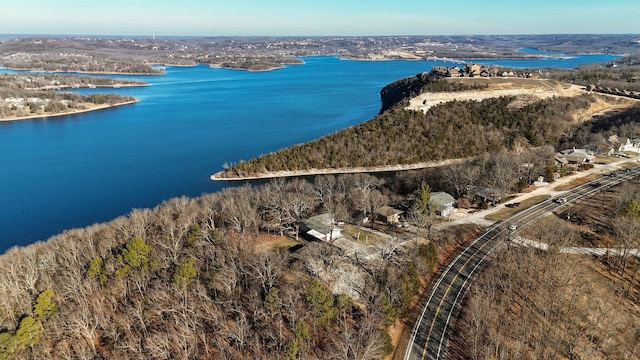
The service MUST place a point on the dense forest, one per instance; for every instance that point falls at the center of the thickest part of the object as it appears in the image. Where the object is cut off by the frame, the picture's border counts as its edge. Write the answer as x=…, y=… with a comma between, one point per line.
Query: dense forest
x=213, y=277
x=623, y=124
x=452, y=130
x=207, y=278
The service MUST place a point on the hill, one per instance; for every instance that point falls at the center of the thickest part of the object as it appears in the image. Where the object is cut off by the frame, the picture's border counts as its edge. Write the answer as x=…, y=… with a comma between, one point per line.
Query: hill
x=450, y=130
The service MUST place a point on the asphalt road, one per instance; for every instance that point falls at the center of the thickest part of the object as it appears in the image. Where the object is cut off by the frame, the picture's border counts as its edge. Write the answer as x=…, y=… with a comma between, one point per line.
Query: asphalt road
x=430, y=333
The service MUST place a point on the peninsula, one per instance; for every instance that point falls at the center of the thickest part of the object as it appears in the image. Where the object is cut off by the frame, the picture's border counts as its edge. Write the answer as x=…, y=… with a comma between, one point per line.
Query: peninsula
x=431, y=126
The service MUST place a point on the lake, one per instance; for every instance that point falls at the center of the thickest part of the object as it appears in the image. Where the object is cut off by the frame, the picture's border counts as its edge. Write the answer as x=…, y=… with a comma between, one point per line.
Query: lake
x=65, y=172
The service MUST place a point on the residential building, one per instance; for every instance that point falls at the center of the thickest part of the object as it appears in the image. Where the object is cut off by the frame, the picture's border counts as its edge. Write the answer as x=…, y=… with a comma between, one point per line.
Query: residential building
x=575, y=156
x=445, y=203
x=321, y=227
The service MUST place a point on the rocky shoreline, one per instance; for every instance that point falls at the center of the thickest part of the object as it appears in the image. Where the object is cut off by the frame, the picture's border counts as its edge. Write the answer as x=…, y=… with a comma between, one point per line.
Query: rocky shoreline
x=312, y=172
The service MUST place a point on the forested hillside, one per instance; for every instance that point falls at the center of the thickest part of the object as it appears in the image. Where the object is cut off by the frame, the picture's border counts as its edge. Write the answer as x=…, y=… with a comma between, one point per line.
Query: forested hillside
x=196, y=279
x=554, y=305
x=623, y=74
x=447, y=131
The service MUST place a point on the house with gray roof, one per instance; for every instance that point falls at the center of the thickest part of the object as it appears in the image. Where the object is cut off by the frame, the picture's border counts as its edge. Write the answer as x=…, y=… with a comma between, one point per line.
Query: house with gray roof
x=575, y=156
x=445, y=203
x=321, y=227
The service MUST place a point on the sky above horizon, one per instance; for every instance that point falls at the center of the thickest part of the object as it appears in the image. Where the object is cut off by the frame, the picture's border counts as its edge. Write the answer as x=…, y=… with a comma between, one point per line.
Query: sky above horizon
x=326, y=17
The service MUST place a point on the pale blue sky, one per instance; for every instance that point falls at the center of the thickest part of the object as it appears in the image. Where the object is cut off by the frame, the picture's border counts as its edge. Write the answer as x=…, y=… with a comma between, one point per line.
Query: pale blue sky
x=317, y=17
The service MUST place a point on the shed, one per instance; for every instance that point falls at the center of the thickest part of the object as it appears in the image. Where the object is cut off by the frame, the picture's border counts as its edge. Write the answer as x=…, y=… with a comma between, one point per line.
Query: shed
x=389, y=214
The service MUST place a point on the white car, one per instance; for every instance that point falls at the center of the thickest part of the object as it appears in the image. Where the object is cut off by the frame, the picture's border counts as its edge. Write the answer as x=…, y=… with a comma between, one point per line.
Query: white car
x=512, y=227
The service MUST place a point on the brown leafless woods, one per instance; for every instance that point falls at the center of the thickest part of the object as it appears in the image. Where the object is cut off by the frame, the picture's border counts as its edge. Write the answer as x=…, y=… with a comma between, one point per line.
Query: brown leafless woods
x=531, y=304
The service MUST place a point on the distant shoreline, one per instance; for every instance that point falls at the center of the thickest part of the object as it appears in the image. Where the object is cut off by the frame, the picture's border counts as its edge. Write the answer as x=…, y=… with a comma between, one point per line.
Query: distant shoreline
x=81, y=72
x=312, y=172
x=85, y=86
x=95, y=108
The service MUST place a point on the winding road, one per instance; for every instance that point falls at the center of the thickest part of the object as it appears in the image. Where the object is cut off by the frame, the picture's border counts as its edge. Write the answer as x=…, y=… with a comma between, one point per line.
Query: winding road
x=430, y=334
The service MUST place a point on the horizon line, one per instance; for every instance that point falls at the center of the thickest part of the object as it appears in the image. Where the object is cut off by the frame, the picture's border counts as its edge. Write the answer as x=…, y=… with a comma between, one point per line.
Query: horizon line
x=295, y=36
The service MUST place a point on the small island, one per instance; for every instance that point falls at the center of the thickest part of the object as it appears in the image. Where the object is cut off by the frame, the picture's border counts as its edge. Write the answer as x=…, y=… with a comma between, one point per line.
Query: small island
x=28, y=96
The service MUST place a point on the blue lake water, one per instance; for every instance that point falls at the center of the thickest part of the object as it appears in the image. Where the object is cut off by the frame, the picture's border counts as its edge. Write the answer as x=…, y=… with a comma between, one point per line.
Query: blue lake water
x=73, y=171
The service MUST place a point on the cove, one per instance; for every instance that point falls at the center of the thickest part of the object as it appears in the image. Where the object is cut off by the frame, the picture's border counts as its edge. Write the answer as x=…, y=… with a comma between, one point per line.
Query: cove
x=67, y=172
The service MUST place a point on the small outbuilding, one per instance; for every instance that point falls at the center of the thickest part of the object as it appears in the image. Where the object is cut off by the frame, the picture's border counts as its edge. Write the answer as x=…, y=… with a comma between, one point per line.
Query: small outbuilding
x=389, y=214
x=489, y=195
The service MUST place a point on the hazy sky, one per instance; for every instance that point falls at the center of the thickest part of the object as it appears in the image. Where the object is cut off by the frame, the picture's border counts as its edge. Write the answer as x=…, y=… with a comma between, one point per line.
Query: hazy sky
x=317, y=17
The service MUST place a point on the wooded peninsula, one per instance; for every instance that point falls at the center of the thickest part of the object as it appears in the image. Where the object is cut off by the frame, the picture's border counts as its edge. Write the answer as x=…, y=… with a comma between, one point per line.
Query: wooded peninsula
x=26, y=96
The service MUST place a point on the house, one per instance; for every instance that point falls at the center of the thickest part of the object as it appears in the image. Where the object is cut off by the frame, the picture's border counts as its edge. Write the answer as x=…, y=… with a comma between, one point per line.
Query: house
x=454, y=72
x=560, y=159
x=445, y=203
x=388, y=214
x=630, y=145
x=576, y=156
x=321, y=227
x=439, y=71
x=443, y=71
x=472, y=70
x=489, y=195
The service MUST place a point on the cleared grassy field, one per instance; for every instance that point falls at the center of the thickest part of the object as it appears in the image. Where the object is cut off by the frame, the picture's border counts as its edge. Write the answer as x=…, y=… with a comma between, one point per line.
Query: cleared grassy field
x=364, y=237
x=576, y=182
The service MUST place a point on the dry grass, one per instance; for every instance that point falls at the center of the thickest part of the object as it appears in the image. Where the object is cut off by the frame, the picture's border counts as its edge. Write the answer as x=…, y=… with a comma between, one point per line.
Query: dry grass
x=360, y=236
x=576, y=182
x=524, y=204
x=630, y=164
x=500, y=83
x=605, y=160
x=266, y=242
x=527, y=91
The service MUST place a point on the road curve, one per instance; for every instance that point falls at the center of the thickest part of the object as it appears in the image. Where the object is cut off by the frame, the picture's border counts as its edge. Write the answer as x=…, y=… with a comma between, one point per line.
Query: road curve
x=429, y=337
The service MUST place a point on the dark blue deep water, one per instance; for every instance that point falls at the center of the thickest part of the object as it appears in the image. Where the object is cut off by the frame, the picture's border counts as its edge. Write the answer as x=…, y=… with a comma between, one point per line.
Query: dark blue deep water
x=66, y=172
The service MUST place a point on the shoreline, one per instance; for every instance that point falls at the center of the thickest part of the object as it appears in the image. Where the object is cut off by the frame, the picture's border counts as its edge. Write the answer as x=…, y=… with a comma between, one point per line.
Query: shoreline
x=74, y=87
x=82, y=72
x=313, y=172
x=280, y=67
x=213, y=66
x=96, y=108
